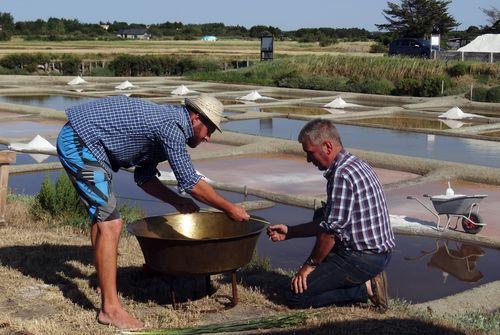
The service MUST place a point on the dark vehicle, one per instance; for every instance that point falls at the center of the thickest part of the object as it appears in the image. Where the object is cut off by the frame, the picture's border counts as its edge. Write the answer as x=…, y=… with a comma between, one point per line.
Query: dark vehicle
x=410, y=47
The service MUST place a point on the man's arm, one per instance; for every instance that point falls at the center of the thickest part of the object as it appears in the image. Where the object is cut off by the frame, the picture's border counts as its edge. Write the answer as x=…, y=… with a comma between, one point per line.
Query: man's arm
x=281, y=232
x=205, y=193
x=324, y=243
x=157, y=189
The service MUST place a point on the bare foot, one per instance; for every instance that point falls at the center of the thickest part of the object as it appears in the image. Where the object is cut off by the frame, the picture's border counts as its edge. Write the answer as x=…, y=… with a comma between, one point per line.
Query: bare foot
x=119, y=318
x=369, y=288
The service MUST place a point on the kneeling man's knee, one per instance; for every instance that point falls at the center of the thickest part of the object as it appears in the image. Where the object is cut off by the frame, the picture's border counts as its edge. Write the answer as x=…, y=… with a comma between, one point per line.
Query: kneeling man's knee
x=296, y=300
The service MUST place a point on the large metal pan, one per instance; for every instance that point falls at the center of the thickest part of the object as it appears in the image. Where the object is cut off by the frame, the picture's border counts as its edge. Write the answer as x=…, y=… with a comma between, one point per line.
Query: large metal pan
x=198, y=243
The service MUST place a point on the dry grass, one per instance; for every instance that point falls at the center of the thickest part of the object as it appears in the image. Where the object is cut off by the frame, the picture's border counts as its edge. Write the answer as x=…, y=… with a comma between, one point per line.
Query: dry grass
x=248, y=48
x=48, y=286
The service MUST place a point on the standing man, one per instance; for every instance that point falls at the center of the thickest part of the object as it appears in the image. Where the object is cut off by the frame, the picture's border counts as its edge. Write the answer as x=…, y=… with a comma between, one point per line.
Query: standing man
x=353, y=232
x=107, y=134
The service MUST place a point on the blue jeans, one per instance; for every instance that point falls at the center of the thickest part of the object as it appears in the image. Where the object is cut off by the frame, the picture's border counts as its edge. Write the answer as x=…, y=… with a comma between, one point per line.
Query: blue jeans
x=340, y=279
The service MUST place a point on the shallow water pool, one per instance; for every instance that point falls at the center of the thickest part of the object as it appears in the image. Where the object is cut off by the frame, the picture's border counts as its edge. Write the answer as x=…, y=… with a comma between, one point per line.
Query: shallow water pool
x=446, y=148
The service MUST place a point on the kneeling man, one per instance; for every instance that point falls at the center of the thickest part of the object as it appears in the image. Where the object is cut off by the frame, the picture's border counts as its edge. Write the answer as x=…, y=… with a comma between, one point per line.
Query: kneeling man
x=353, y=232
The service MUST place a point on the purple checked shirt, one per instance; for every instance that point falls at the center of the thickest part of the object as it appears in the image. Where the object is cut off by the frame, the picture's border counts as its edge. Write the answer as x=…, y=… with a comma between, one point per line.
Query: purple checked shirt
x=356, y=210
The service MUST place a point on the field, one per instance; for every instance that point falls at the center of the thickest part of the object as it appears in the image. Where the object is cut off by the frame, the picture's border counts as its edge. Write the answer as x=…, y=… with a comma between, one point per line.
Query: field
x=247, y=48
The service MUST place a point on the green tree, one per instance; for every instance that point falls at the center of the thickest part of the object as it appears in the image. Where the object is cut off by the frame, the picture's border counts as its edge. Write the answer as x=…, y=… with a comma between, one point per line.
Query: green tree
x=6, y=22
x=418, y=18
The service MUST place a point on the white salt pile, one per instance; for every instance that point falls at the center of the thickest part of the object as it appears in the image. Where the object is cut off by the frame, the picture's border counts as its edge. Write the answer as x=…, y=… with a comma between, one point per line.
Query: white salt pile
x=77, y=81
x=38, y=144
x=483, y=43
x=456, y=113
x=254, y=95
x=339, y=103
x=125, y=85
x=182, y=90
x=453, y=124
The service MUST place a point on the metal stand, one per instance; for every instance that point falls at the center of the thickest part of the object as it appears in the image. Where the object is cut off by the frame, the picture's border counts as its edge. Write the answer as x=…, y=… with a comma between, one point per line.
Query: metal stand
x=208, y=285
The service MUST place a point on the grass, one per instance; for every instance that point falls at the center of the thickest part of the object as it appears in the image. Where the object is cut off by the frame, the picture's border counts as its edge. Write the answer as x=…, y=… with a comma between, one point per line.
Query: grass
x=240, y=48
x=377, y=75
x=48, y=286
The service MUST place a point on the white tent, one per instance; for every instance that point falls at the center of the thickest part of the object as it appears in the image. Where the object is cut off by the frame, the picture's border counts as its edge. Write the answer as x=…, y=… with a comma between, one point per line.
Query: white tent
x=339, y=103
x=38, y=144
x=125, y=85
x=77, y=81
x=456, y=113
x=483, y=43
x=182, y=90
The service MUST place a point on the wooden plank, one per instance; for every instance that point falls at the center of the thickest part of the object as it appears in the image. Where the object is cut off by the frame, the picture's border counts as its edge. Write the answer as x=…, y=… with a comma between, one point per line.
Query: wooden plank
x=4, y=182
x=7, y=157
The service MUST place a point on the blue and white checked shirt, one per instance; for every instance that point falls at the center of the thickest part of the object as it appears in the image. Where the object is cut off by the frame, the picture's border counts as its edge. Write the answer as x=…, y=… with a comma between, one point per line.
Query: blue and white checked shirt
x=123, y=132
x=356, y=209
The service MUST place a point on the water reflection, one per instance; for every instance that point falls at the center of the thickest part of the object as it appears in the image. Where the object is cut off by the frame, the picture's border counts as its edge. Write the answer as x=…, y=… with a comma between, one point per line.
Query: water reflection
x=59, y=102
x=445, y=148
x=458, y=260
x=406, y=122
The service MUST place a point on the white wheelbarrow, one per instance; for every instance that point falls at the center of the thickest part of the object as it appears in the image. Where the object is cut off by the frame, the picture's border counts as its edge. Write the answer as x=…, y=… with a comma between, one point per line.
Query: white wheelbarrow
x=463, y=208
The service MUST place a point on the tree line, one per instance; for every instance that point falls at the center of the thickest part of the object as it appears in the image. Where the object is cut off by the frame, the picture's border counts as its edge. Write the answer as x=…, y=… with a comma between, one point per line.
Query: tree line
x=407, y=18
x=72, y=29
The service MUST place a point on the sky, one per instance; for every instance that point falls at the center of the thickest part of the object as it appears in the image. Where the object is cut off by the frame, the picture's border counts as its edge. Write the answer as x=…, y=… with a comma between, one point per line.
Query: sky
x=285, y=14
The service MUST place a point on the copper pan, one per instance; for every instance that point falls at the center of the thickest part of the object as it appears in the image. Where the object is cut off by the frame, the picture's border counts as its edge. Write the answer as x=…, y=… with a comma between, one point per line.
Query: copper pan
x=198, y=243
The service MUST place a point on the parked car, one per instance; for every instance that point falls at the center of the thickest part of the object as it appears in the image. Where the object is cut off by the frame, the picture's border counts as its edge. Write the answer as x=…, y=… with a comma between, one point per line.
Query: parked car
x=414, y=47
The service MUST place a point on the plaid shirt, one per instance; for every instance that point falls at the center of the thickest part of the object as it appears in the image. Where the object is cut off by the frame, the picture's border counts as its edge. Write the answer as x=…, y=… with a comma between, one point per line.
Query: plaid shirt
x=123, y=132
x=356, y=210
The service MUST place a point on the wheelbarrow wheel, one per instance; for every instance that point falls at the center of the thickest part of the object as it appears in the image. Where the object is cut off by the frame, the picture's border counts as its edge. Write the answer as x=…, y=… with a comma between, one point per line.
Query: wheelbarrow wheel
x=470, y=224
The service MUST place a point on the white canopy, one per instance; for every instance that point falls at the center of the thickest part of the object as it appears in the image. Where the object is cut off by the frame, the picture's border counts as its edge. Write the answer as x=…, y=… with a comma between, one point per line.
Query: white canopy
x=456, y=113
x=182, y=90
x=125, y=85
x=483, y=43
x=77, y=81
x=339, y=103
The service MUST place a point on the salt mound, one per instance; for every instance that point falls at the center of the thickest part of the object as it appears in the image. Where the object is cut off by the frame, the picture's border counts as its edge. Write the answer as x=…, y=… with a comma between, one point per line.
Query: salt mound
x=252, y=96
x=339, y=103
x=125, y=85
x=77, y=81
x=483, y=43
x=39, y=144
x=453, y=124
x=456, y=113
x=182, y=90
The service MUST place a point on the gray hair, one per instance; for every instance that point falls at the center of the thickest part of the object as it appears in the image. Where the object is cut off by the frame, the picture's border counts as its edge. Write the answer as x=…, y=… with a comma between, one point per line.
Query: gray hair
x=319, y=130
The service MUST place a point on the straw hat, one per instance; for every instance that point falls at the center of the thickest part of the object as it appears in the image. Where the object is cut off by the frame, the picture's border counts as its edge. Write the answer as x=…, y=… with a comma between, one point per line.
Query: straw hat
x=208, y=106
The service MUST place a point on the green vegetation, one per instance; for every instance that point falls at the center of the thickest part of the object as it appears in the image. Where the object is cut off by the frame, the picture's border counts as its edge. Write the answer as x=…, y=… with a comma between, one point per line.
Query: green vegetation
x=289, y=320
x=489, y=323
x=59, y=204
x=147, y=65
x=484, y=94
x=60, y=29
x=418, y=18
x=377, y=75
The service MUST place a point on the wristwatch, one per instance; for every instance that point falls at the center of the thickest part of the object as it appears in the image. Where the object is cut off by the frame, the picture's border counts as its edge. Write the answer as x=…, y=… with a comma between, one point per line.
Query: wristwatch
x=311, y=262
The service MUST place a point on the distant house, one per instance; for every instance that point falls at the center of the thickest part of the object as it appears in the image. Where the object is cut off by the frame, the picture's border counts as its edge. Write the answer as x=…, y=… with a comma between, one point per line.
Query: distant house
x=104, y=26
x=138, y=34
x=209, y=38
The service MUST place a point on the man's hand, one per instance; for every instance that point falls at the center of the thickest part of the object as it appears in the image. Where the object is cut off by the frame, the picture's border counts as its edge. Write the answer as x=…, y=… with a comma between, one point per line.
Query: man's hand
x=299, y=281
x=277, y=232
x=238, y=213
x=185, y=205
